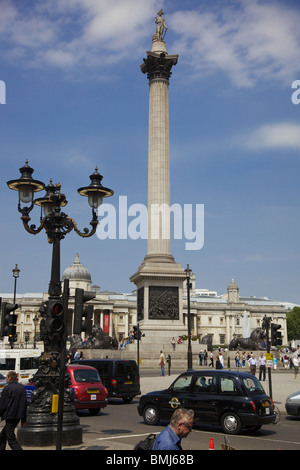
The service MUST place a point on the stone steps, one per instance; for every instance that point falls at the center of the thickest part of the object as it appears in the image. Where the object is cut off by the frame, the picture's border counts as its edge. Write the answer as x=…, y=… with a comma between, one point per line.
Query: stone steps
x=149, y=355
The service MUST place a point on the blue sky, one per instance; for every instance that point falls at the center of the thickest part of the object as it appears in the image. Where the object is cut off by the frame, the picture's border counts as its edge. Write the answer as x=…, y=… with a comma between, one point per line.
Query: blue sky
x=76, y=99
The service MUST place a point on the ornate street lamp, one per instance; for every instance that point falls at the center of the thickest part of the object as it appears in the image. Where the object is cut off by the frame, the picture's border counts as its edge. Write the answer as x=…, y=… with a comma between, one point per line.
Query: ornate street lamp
x=41, y=422
x=16, y=273
x=188, y=272
x=35, y=322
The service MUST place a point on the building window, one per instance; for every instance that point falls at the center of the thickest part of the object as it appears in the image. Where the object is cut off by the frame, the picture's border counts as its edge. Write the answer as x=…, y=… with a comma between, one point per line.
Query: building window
x=222, y=339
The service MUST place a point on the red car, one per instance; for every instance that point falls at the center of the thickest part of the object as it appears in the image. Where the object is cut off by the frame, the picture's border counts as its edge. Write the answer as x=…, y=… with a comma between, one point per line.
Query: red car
x=89, y=392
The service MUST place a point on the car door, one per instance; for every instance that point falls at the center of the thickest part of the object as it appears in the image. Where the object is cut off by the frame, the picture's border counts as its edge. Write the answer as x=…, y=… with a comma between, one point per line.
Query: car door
x=203, y=398
x=230, y=396
x=177, y=395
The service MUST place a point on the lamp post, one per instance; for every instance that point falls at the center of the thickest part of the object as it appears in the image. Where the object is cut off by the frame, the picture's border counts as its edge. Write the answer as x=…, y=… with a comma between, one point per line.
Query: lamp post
x=188, y=285
x=41, y=423
x=16, y=273
x=35, y=322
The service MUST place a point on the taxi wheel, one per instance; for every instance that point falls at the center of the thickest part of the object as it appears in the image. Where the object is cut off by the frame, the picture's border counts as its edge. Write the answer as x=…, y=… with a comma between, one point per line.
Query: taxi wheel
x=231, y=423
x=151, y=415
x=127, y=399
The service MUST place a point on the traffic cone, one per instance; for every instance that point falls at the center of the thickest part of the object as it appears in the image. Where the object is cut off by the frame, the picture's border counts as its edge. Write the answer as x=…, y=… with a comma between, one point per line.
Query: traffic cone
x=211, y=444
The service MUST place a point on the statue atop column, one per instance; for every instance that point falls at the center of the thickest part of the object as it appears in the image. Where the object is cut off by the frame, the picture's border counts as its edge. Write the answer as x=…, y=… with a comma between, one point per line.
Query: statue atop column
x=161, y=27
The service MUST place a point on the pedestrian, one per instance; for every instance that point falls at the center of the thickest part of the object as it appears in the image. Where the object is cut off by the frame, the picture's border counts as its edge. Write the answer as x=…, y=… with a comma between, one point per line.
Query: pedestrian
x=162, y=363
x=295, y=364
x=252, y=364
x=13, y=408
x=201, y=357
x=173, y=342
x=262, y=362
x=243, y=359
x=211, y=356
x=205, y=357
x=286, y=361
x=237, y=359
x=274, y=362
x=218, y=362
x=180, y=426
x=221, y=359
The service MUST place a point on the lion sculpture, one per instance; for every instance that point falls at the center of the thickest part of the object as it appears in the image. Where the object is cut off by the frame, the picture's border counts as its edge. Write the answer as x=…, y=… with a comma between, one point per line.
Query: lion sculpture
x=253, y=343
x=97, y=340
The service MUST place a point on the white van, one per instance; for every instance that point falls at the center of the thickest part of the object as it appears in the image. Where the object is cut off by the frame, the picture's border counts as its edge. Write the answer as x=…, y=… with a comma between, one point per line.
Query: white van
x=23, y=361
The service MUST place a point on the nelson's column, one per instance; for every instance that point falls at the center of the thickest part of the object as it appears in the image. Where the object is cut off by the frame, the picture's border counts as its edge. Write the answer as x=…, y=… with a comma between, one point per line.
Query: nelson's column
x=159, y=279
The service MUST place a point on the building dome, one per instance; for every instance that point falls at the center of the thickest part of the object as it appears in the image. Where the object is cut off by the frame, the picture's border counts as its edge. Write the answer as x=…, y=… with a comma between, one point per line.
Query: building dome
x=233, y=292
x=233, y=285
x=77, y=272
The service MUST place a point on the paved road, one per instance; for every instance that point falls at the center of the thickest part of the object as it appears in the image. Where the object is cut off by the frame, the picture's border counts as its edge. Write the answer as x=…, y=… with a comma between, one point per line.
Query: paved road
x=119, y=426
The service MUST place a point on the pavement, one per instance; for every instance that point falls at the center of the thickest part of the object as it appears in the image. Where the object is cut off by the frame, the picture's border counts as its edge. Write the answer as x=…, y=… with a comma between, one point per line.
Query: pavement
x=283, y=384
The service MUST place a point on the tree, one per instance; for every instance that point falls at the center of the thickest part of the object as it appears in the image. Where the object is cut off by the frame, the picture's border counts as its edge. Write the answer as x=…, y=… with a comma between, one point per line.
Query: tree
x=293, y=323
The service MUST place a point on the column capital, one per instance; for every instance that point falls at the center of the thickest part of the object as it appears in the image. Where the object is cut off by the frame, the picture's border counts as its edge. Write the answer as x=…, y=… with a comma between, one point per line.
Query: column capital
x=158, y=65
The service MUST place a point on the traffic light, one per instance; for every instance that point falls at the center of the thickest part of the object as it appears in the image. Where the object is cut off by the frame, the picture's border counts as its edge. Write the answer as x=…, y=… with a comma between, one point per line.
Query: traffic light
x=8, y=321
x=83, y=314
x=137, y=334
x=275, y=335
x=55, y=314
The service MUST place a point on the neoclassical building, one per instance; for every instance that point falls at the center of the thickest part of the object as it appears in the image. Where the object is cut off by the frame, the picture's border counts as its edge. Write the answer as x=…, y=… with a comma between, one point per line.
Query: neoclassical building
x=223, y=317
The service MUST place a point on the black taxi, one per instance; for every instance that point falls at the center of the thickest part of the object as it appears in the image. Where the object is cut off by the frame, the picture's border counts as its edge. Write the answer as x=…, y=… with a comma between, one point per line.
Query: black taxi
x=231, y=399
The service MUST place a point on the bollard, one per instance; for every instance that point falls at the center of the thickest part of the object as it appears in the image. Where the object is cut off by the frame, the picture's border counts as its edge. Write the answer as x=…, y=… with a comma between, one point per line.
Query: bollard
x=169, y=363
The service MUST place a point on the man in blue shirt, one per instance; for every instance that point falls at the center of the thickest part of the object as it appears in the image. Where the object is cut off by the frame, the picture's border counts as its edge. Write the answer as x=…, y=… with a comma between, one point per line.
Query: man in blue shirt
x=180, y=426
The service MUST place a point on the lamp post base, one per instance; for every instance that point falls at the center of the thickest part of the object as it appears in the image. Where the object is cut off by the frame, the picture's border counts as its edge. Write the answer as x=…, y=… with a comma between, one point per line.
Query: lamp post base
x=41, y=422
x=41, y=429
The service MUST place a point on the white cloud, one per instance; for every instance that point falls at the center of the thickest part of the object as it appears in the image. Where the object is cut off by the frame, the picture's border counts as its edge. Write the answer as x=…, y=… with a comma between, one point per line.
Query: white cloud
x=65, y=33
x=247, y=40
x=275, y=136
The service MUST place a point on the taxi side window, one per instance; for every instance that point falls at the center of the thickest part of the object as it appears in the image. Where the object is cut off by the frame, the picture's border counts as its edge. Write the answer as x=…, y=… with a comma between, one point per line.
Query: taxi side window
x=228, y=386
x=182, y=384
x=206, y=384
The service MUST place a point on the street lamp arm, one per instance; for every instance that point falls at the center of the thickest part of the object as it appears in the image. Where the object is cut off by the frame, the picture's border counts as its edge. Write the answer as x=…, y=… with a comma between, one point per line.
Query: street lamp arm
x=32, y=228
x=85, y=233
x=65, y=225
